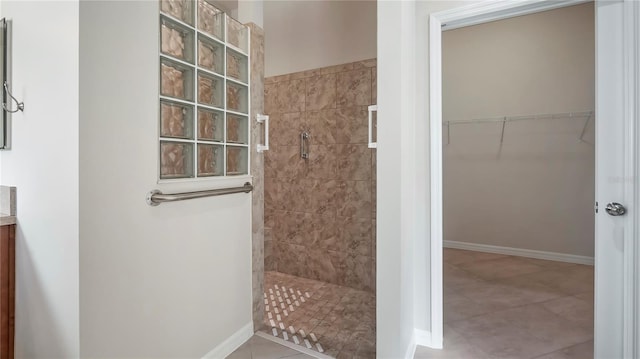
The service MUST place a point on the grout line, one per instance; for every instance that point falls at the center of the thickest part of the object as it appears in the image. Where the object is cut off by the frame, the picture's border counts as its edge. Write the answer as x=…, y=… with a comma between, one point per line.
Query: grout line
x=561, y=349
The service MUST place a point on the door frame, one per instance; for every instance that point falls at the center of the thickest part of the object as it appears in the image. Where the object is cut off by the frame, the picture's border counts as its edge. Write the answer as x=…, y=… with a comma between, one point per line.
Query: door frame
x=501, y=9
x=631, y=280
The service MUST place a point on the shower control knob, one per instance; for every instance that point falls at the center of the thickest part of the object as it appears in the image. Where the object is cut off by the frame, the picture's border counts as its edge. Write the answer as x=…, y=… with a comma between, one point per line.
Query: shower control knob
x=615, y=209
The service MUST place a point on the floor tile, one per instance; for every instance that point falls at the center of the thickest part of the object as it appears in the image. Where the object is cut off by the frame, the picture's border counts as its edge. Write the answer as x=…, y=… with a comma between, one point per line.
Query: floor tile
x=571, y=280
x=455, y=277
x=244, y=352
x=457, y=307
x=514, y=307
x=260, y=348
x=335, y=320
x=458, y=256
x=499, y=338
x=300, y=356
x=580, y=351
x=459, y=351
x=547, y=264
x=500, y=268
x=265, y=349
x=588, y=296
x=544, y=324
x=455, y=347
x=507, y=293
x=573, y=309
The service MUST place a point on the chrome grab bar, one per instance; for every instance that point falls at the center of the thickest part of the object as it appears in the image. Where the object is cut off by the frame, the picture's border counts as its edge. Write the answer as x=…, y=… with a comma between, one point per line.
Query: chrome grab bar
x=156, y=197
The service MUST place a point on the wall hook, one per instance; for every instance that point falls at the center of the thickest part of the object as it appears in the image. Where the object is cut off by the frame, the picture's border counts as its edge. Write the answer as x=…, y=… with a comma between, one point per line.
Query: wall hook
x=20, y=104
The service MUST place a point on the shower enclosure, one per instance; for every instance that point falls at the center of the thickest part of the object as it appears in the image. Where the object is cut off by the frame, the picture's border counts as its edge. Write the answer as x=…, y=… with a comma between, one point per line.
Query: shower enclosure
x=319, y=247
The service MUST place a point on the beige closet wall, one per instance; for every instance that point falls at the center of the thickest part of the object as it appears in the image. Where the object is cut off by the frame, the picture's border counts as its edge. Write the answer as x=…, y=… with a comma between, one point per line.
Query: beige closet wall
x=536, y=190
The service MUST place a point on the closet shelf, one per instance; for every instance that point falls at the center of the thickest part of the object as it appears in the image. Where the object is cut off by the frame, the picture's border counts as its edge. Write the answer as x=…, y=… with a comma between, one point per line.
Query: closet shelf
x=552, y=116
x=586, y=116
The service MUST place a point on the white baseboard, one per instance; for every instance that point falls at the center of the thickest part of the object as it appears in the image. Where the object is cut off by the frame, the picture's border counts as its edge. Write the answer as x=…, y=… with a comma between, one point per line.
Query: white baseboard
x=232, y=343
x=529, y=253
x=425, y=339
x=411, y=349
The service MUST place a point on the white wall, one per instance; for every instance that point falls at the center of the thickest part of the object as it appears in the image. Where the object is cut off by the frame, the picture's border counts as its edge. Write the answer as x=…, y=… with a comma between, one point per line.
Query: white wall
x=396, y=180
x=43, y=165
x=536, y=191
x=166, y=281
x=403, y=266
x=305, y=35
x=420, y=158
x=250, y=11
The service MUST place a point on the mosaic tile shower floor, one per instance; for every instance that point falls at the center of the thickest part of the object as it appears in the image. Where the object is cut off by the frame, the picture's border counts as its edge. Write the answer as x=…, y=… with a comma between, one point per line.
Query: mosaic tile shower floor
x=327, y=318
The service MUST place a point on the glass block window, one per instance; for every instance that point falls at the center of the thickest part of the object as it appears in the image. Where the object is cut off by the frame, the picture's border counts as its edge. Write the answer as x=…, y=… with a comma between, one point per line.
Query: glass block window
x=204, y=92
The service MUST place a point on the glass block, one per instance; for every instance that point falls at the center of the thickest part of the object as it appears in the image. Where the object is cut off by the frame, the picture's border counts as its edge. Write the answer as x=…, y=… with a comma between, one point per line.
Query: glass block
x=237, y=160
x=180, y=9
x=237, y=97
x=210, y=19
x=176, y=120
x=237, y=129
x=176, y=40
x=210, y=54
x=176, y=160
x=210, y=160
x=176, y=80
x=210, y=89
x=237, y=34
x=237, y=66
x=210, y=125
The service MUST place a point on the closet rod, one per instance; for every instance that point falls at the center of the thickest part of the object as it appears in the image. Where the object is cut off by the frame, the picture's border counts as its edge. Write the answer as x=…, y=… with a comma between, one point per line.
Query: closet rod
x=553, y=116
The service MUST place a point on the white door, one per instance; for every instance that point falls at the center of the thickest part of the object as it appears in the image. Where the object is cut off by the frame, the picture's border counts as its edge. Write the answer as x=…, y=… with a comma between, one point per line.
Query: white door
x=614, y=181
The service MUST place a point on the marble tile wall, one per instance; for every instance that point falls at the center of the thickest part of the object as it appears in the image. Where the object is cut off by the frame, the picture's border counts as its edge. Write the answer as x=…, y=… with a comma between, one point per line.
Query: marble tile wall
x=257, y=171
x=320, y=212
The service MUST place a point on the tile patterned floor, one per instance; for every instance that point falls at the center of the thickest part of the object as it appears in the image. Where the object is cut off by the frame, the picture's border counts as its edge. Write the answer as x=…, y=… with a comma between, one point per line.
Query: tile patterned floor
x=260, y=348
x=498, y=306
x=495, y=306
x=330, y=319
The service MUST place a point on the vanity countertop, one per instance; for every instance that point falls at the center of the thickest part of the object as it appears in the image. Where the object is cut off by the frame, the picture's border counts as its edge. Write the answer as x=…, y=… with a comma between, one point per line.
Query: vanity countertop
x=6, y=219
x=7, y=205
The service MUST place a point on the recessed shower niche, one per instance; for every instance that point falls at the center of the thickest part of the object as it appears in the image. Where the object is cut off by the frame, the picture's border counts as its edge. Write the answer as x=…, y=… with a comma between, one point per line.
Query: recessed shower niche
x=204, y=92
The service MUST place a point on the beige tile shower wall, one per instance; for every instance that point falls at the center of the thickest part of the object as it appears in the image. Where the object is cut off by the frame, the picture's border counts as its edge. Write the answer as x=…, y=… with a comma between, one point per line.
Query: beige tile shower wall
x=320, y=212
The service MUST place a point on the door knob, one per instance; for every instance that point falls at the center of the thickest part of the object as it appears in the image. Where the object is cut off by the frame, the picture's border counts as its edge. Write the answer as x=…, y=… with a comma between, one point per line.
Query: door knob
x=615, y=209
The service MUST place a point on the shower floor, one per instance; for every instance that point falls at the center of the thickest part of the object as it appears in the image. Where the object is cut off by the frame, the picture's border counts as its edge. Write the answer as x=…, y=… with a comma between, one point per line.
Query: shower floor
x=327, y=318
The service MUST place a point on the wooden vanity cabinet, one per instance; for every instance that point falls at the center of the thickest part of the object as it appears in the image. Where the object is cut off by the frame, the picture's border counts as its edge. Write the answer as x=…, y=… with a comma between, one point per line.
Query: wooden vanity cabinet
x=7, y=289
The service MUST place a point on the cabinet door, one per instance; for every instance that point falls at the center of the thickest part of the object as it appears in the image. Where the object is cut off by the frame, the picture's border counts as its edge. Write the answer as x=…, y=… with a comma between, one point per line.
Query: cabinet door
x=7, y=290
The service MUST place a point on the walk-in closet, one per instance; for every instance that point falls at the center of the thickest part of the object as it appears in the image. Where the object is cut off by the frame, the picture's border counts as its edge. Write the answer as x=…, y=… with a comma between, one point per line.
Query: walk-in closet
x=519, y=169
